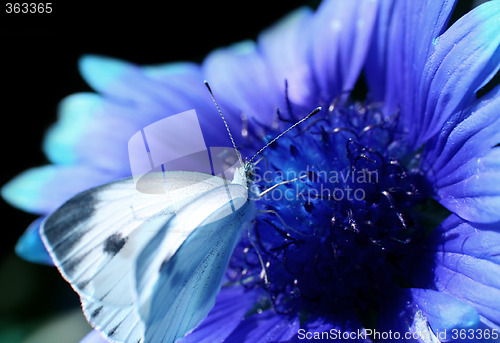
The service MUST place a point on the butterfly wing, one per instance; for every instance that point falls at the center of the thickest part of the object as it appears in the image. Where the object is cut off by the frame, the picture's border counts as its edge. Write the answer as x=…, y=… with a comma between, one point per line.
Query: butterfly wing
x=96, y=237
x=117, y=322
x=177, y=292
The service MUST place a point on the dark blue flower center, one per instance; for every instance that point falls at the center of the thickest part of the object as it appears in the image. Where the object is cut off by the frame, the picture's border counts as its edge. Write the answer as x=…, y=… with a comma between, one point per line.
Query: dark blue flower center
x=333, y=237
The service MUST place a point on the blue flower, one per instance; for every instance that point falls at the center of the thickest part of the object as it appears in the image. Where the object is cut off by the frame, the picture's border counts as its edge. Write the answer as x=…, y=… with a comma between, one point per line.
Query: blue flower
x=393, y=223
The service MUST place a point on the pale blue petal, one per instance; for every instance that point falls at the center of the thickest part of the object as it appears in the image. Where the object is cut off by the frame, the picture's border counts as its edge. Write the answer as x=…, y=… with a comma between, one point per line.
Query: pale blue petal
x=444, y=312
x=76, y=114
x=126, y=82
x=241, y=80
x=401, y=45
x=340, y=36
x=30, y=246
x=465, y=58
x=94, y=131
x=284, y=49
x=102, y=73
x=467, y=136
x=473, y=190
x=173, y=72
x=467, y=264
x=403, y=38
x=186, y=84
x=150, y=97
x=422, y=315
x=43, y=189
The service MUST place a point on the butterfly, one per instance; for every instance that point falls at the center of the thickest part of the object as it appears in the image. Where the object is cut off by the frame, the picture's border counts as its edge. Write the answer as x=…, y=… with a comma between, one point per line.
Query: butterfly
x=147, y=267
x=148, y=262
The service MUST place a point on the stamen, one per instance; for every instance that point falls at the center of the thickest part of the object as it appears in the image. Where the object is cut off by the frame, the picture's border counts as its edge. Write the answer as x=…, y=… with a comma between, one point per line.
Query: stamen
x=288, y=103
x=289, y=228
x=369, y=128
x=280, y=184
x=317, y=251
x=264, y=271
x=392, y=206
x=316, y=110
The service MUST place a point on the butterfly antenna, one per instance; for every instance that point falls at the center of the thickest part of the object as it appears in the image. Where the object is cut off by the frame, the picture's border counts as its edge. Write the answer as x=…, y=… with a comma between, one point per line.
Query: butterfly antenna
x=316, y=110
x=225, y=122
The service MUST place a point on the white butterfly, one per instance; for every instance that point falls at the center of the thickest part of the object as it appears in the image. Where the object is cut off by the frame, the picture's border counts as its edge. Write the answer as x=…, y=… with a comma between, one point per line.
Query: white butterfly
x=147, y=267
x=148, y=264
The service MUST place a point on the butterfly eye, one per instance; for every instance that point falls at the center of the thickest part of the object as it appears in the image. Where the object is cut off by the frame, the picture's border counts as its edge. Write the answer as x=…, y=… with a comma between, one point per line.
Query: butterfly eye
x=250, y=171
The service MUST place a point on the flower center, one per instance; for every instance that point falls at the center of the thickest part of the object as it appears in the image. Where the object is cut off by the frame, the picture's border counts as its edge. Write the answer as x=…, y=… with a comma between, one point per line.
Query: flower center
x=334, y=236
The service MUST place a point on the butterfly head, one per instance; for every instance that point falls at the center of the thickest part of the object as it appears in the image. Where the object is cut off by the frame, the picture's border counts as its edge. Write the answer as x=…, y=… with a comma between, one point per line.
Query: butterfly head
x=245, y=175
x=249, y=169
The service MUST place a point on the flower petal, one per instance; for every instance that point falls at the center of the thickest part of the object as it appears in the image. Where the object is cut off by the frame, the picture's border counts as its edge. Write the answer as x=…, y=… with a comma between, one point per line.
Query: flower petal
x=284, y=50
x=101, y=73
x=466, y=136
x=186, y=82
x=467, y=264
x=241, y=80
x=95, y=130
x=231, y=304
x=398, y=314
x=30, y=246
x=173, y=72
x=340, y=34
x=424, y=316
x=401, y=46
x=473, y=190
x=41, y=190
x=376, y=61
x=444, y=312
x=465, y=58
x=267, y=326
x=82, y=115
x=122, y=81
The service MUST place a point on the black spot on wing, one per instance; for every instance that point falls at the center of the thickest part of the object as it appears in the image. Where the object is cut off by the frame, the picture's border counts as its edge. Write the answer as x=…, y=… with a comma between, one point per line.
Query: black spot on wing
x=61, y=224
x=114, y=244
x=83, y=284
x=72, y=264
x=163, y=264
x=65, y=245
x=96, y=312
x=113, y=330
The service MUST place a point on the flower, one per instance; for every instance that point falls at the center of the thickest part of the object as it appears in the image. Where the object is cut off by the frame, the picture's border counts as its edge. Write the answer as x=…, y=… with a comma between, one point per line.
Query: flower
x=392, y=224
